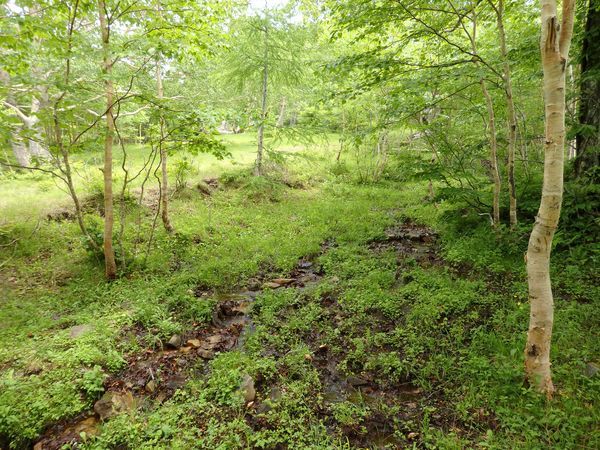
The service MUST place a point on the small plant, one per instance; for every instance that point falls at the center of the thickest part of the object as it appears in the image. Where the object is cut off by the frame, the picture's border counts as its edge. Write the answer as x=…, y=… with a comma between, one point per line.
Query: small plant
x=93, y=382
x=183, y=170
x=349, y=414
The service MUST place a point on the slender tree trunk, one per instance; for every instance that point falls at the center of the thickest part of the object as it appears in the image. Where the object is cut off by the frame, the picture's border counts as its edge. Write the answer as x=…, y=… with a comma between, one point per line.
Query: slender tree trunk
x=164, y=190
x=68, y=173
x=512, y=116
x=37, y=148
x=572, y=108
x=342, y=136
x=588, y=139
x=281, y=117
x=555, y=43
x=263, y=109
x=109, y=253
x=20, y=150
x=492, y=131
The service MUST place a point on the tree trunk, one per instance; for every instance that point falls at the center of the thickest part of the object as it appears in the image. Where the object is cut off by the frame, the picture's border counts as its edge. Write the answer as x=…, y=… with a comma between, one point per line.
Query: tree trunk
x=588, y=138
x=512, y=116
x=20, y=150
x=36, y=144
x=109, y=253
x=555, y=43
x=164, y=188
x=263, y=109
x=281, y=117
x=492, y=130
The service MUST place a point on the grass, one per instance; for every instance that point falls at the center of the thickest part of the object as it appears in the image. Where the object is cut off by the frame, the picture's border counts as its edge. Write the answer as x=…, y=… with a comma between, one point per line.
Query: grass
x=454, y=331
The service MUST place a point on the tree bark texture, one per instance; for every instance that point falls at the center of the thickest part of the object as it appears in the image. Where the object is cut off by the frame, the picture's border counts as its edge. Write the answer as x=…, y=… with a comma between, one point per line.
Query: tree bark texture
x=555, y=43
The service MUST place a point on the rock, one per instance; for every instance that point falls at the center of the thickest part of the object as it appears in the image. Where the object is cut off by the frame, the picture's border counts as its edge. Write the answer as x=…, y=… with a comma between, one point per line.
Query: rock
x=79, y=330
x=38, y=446
x=413, y=435
x=185, y=349
x=212, y=341
x=212, y=182
x=247, y=388
x=151, y=386
x=176, y=382
x=113, y=403
x=357, y=381
x=271, y=285
x=175, y=341
x=592, y=369
x=194, y=343
x=254, y=284
x=204, y=188
x=205, y=354
x=283, y=281
x=305, y=264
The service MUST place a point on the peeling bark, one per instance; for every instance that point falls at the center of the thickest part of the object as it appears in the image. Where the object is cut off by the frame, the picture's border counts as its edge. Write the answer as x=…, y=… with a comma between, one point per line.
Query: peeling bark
x=555, y=44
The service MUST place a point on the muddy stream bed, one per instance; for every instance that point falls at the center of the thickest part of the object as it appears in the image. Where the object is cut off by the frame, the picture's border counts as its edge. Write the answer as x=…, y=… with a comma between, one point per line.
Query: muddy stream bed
x=154, y=375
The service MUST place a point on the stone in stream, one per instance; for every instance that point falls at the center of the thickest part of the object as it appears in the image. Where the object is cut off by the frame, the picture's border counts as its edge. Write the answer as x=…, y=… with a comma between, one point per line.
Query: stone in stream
x=283, y=281
x=205, y=354
x=194, y=343
x=254, y=284
x=114, y=403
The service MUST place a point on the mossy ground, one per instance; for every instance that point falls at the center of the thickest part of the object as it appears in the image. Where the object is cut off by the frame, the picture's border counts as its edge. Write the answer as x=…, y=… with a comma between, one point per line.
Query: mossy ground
x=453, y=332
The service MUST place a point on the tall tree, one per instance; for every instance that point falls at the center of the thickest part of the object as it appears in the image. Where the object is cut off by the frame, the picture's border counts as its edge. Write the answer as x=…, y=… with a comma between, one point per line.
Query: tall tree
x=266, y=56
x=164, y=185
x=263, y=95
x=555, y=43
x=493, y=141
x=511, y=111
x=110, y=263
x=588, y=135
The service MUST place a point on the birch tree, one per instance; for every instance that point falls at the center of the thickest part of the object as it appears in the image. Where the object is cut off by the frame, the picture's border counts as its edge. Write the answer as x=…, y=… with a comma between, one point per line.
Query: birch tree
x=555, y=43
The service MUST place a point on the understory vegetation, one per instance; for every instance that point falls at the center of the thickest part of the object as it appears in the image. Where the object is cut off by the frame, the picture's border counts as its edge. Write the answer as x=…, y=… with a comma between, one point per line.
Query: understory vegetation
x=299, y=224
x=435, y=333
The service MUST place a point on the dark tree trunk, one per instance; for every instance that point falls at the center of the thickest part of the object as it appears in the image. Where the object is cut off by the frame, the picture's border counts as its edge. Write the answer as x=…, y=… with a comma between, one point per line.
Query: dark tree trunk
x=588, y=137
